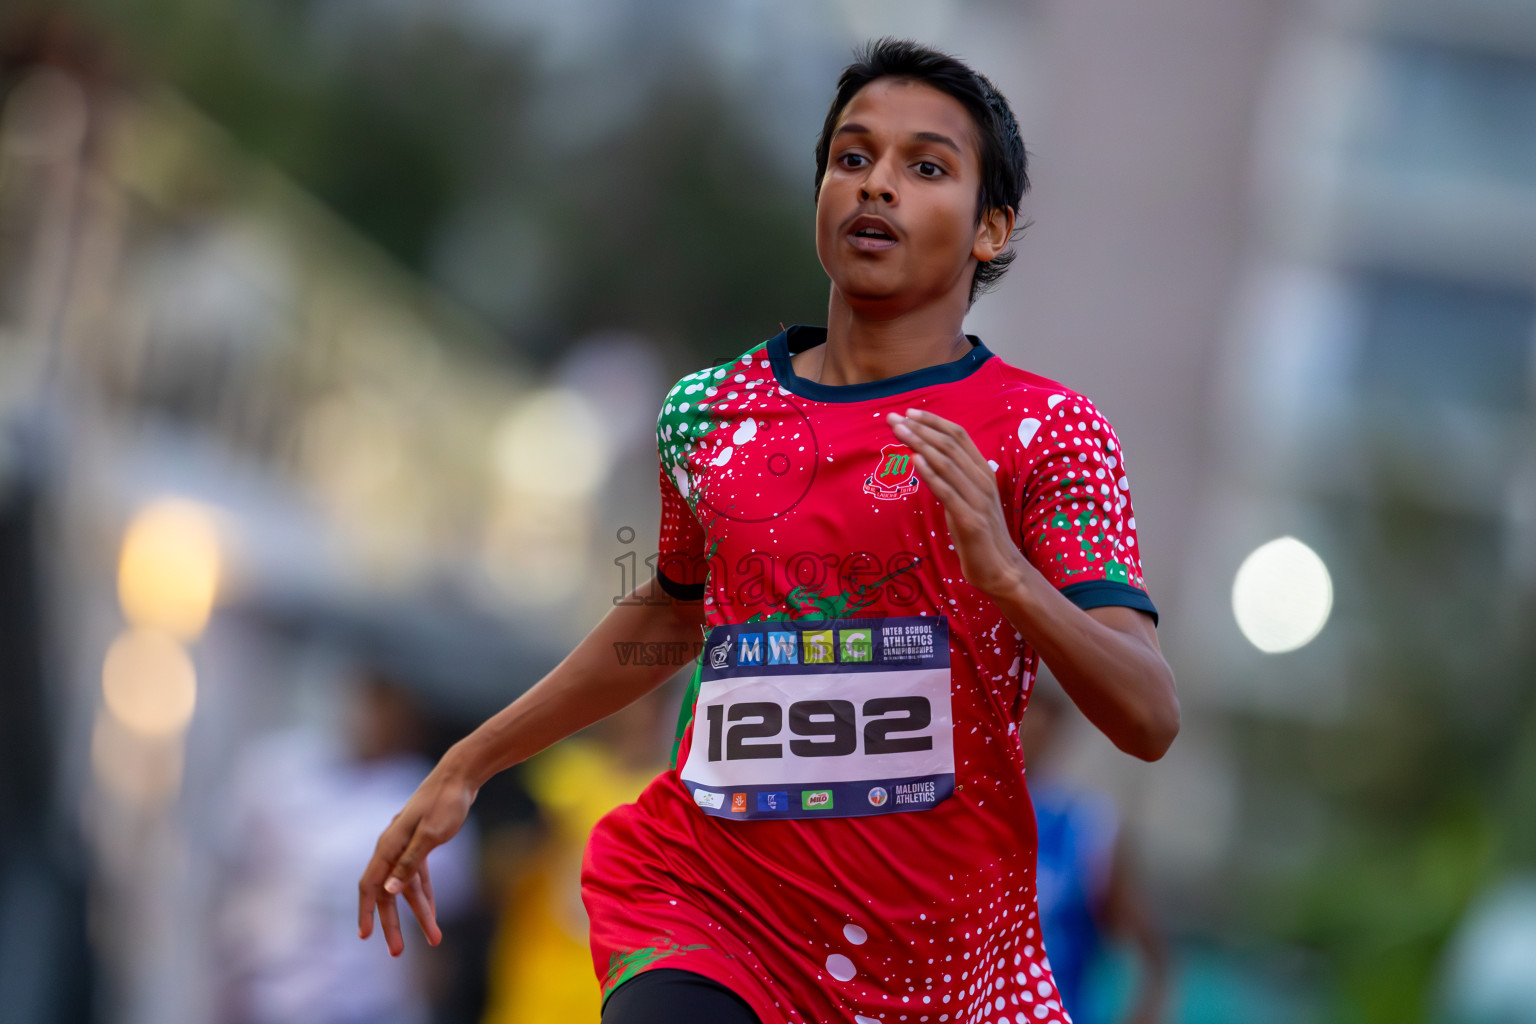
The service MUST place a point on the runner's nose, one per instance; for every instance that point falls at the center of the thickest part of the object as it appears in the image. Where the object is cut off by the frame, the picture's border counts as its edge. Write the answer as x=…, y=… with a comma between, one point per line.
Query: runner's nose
x=878, y=184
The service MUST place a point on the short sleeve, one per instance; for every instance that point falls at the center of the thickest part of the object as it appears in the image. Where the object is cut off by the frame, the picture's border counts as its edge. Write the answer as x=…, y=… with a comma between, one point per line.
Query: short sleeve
x=680, y=562
x=1076, y=521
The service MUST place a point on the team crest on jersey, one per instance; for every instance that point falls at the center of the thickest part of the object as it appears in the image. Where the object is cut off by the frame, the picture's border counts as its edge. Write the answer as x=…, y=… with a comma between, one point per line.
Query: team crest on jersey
x=895, y=474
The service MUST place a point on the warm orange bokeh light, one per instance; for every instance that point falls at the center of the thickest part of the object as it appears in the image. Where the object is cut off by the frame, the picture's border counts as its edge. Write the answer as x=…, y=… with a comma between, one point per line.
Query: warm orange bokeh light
x=169, y=568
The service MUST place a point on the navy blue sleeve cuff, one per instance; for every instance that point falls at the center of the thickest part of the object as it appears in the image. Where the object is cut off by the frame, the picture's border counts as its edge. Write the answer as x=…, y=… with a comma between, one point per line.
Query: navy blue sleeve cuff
x=680, y=591
x=1107, y=593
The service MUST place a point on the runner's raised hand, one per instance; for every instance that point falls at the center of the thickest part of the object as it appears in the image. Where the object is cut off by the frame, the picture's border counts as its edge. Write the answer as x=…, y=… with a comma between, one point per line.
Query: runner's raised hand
x=949, y=462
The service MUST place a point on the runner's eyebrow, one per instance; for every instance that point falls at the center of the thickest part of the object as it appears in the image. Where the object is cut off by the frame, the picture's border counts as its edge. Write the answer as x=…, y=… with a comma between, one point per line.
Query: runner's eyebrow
x=943, y=140
x=853, y=128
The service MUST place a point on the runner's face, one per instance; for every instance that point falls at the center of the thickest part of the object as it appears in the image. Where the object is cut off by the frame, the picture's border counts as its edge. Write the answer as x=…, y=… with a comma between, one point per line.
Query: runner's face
x=896, y=215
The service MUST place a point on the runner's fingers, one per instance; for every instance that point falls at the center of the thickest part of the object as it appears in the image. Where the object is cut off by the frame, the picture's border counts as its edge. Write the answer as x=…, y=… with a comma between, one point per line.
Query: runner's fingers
x=951, y=498
x=936, y=464
x=984, y=490
x=393, y=839
x=389, y=919
x=370, y=886
x=365, y=901
x=405, y=868
x=933, y=440
x=959, y=495
x=392, y=842
x=426, y=887
x=956, y=441
x=972, y=501
x=923, y=439
x=974, y=492
x=967, y=516
x=426, y=917
x=961, y=436
x=952, y=432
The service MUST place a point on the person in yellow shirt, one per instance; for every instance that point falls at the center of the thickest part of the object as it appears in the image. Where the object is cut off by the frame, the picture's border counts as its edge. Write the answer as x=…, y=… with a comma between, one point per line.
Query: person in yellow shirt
x=540, y=962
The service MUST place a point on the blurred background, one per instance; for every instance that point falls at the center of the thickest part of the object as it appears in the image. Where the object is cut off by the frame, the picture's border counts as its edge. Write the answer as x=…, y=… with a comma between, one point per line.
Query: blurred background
x=332, y=337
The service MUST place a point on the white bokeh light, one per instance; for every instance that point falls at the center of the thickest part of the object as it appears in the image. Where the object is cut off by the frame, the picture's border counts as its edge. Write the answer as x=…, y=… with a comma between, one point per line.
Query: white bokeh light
x=1282, y=596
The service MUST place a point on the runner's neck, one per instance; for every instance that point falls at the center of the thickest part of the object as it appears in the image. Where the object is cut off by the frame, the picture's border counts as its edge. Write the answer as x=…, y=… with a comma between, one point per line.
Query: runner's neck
x=859, y=350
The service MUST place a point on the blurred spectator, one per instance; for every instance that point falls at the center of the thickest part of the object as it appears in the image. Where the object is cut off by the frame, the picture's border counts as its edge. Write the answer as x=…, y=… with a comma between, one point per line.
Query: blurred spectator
x=1087, y=890
x=541, y=968
x=305, y=806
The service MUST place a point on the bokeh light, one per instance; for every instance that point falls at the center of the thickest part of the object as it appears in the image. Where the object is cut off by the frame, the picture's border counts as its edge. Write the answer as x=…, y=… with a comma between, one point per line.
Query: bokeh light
x=149, y=683
x=169, y=568
x=1282, y=596
x=552, y=444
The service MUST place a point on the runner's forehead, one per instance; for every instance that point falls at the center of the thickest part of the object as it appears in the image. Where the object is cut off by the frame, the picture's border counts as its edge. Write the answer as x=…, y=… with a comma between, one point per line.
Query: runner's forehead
x=912, y=111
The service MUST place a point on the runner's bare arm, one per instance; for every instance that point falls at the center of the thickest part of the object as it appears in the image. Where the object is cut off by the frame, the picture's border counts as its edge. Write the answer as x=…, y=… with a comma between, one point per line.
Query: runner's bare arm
x=1107, y=659
x=588, y=685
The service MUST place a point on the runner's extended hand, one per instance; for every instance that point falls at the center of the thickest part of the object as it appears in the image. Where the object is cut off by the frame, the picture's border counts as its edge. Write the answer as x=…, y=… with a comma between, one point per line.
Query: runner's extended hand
x=431, y=817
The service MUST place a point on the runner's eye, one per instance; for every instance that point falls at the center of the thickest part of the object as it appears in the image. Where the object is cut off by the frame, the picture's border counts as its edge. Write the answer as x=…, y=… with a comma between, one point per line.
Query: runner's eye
x=928, y=169
x=848, y=160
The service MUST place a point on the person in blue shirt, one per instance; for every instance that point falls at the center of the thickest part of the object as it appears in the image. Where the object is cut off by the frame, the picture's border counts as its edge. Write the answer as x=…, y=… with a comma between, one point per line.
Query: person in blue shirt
x=1087, y=893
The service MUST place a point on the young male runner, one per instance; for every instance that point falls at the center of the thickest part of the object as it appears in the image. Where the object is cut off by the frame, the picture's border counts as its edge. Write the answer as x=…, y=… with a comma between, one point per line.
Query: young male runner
x=882, y=527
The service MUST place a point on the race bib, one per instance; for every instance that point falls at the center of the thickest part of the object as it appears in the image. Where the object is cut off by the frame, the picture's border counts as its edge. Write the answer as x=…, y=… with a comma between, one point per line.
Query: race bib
x=823, y=718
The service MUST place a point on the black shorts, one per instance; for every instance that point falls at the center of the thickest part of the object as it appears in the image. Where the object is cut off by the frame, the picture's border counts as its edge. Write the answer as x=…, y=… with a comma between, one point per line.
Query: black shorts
x=668, y=996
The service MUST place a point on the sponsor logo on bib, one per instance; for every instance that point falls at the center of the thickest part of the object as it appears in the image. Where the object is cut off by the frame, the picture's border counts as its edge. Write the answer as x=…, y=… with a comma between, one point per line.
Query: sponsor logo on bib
x=738, y=803
x=773, y=801
x=783, y=649
x=751, y=650
x=818, y=646
x=704, y=798
x=720, y=654
x=816, y=800
x=855, y=644
x=877, y=796
x=916, y=793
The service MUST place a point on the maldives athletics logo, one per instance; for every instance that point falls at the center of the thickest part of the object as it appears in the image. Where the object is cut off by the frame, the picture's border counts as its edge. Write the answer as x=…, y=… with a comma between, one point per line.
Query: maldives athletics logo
x=895, y=474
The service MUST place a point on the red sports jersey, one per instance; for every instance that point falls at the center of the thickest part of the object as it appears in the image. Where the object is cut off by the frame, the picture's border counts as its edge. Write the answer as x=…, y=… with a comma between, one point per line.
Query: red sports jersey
x=845, y=833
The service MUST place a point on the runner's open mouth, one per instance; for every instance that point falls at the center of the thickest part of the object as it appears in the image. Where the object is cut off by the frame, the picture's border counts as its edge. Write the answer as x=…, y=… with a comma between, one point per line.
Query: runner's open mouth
x=867, y=228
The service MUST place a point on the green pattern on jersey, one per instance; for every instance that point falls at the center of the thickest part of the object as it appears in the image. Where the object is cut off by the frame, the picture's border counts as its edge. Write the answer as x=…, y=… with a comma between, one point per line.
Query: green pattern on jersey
x=687, y=418
x=623, y=967
x=1114, y=571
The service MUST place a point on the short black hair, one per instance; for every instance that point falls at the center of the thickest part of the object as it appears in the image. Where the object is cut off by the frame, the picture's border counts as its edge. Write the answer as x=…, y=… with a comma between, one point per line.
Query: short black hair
x=1004, y=164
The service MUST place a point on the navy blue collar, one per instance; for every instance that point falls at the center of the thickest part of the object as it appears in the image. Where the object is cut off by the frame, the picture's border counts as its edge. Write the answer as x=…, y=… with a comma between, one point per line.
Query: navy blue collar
x=799, y=337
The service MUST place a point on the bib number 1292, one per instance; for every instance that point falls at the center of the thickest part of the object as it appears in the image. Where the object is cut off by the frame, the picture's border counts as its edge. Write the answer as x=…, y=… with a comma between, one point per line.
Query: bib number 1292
x=827, y=728
x=823, y=718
